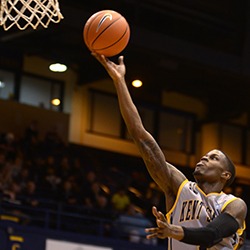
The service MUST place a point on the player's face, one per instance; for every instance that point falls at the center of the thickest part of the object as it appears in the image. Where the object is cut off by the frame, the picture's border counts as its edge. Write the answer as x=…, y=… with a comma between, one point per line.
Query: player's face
x=210, y=167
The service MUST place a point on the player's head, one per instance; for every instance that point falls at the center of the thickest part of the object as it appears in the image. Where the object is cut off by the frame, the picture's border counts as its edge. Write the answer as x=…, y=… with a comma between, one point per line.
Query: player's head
x=215, y=166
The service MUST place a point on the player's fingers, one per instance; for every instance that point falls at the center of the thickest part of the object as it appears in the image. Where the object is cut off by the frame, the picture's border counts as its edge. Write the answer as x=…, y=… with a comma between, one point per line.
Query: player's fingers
x=151, y=230
x=95, y=55
x=155, y=212
x=155, y=235
x=151, y=236
x=98, y=57
x=121, y=60
x=154, y=231
x=162, y=217
x=161, y=224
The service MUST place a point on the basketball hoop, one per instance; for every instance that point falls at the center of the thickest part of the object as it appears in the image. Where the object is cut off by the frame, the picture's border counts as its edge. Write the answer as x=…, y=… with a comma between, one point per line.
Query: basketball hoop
x=29, y=12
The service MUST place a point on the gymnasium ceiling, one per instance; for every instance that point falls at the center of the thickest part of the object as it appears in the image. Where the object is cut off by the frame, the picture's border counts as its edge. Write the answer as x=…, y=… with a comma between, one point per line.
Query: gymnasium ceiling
x=196, y=47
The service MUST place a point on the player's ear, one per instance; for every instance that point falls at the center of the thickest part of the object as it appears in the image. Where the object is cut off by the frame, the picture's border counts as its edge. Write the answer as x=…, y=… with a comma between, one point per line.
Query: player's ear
x=226, y=175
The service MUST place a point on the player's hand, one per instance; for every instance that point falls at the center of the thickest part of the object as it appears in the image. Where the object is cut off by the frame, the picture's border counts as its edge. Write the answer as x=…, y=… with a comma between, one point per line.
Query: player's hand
x=116, y=71
x=164, y=228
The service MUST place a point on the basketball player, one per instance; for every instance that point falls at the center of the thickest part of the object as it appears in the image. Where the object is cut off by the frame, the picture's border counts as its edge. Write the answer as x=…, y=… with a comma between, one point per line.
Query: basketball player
x=199, y=214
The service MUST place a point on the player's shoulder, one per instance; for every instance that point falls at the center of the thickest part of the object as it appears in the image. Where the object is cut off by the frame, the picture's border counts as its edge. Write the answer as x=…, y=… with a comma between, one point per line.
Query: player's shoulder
x=233, y=198
x=239, y=202
x=235, y=204
x=237, y=209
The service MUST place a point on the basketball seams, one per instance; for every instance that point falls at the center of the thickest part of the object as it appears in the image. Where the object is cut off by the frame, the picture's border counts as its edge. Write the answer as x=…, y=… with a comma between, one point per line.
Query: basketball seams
x=105, y=30
x=114, y=42
x=87, y=32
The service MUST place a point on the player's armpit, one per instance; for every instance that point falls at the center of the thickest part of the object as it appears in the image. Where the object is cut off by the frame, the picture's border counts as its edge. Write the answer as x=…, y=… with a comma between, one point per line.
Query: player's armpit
x=176, y=178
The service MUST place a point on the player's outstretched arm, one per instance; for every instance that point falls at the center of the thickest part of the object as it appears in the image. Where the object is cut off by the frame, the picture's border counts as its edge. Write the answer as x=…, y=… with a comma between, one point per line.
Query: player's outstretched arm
x=164, y=174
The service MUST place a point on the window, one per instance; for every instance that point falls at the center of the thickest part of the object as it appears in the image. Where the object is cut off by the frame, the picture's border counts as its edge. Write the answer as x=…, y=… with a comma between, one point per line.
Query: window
x=6, y=90
x=175, y=131
x=105, y=115
x=147, y=116
x=39, y=92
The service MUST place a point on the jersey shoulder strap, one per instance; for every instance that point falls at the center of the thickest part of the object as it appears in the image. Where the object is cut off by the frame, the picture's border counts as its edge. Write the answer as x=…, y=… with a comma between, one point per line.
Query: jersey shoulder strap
x=176, y=200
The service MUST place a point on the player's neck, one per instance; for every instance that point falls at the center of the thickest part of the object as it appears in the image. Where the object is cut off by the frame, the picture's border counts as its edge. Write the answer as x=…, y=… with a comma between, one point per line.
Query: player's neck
x=208, y=188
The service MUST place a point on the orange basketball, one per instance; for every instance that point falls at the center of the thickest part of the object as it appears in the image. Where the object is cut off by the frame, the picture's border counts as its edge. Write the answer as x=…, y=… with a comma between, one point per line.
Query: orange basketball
x=106, y=32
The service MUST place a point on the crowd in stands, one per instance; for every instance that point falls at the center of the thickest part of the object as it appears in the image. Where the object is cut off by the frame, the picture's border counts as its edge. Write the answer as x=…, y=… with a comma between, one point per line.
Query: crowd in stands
x=32, y=170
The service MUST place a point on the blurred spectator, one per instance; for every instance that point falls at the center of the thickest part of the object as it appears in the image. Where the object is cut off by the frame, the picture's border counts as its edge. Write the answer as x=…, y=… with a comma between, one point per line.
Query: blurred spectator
x=154, y=197
x=65, y=170
x=31, y=141
x=91, y=177
x=103, y=203
x=31, y=196
x=40, y=163
x=2, y=160
x=53, y=142
x=9, y=195
x=33, y=170
x=67, y=193
x=31, y=133
x=78, y=171
x=94, y=193
x=49, y=163
x=6, y=174
x=87, y=182
x=22, y=178
x=139, y=181
x=132, y=225
x=11, y=170
x=120, y=200
x=87, y=202
x=110, y=229
x=51, y=183
x=15, y=188
x=9, y=145
x=16, y=167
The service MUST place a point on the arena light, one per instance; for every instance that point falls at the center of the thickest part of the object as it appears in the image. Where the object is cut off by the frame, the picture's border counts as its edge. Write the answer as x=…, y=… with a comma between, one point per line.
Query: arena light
x=2, y=84
x=56, y=102
x=137, y=83
x=58, y=67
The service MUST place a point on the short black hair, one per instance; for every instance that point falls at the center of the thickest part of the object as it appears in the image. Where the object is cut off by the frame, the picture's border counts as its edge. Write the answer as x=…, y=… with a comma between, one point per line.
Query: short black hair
x=230, y=168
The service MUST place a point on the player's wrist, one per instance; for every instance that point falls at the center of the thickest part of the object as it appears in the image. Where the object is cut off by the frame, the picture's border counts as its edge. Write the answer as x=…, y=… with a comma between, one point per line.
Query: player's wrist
x=118, y=80
x=176, y=232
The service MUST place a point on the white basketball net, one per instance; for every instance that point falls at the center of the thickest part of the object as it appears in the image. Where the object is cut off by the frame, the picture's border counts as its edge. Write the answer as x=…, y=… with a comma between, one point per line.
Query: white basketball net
x=29, y=12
